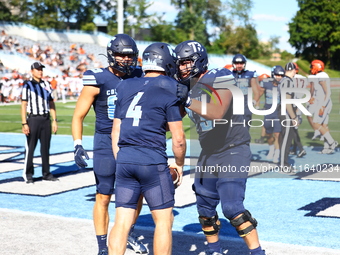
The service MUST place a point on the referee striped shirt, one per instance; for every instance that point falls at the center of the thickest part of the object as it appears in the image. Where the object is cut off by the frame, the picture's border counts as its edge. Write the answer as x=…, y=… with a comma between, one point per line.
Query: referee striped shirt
x=38, y=95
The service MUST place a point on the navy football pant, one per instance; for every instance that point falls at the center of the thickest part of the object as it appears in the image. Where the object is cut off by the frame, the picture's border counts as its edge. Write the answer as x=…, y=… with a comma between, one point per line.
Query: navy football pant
x=104, y=164
x=153, y=181
x=227, y=186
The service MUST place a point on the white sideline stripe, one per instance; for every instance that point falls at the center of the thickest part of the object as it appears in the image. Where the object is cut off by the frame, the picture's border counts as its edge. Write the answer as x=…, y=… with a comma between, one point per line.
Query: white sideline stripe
x=333, y=211
x=45, y=188
x=4, y=156
x=11, y=166
x=326, y=175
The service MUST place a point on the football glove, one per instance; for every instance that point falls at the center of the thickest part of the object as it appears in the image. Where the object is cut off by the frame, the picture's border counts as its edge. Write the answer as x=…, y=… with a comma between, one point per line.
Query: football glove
x=79, y=153
x=182, y=93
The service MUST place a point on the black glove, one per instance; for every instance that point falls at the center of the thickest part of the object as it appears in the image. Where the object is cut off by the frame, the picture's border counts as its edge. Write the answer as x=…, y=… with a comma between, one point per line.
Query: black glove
x=79, y=152
x=183, y=94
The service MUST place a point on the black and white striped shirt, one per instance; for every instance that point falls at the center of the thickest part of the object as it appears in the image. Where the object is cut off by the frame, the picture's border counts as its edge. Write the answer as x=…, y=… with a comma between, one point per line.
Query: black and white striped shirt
x=38, y=96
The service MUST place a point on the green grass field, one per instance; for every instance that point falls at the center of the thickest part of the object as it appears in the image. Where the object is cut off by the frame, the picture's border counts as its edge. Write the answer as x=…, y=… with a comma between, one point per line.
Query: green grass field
x=10, y=121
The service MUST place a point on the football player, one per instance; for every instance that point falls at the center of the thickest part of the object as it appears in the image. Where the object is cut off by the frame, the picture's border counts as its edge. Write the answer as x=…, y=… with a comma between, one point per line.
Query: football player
x=223, y=147
x=245, y=79
x=321, y=104
x=145, y=108
x=272, y=128
x=100, y=91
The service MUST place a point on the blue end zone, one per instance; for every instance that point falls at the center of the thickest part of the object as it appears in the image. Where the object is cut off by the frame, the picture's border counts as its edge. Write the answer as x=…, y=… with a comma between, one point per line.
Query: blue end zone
x=289, y=210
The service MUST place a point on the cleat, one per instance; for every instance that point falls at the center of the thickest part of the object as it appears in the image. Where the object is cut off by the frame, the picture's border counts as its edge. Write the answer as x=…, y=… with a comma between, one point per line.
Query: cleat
x=263, y=252
x=211, y=252
x=334, y=145
x=134, y=244
x=301, y=154
x=260, y=141
x=50, y=177
x=326, y=151
x=322, y=138
x=103, y=252
x=29, y=181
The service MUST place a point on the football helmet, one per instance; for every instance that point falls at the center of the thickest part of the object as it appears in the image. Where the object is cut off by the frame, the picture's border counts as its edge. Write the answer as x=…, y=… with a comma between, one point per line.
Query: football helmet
x=278, y=70
x=239, y=58
x=317, y=66
x=122, y=44
x=159, y=57
x=194, y=52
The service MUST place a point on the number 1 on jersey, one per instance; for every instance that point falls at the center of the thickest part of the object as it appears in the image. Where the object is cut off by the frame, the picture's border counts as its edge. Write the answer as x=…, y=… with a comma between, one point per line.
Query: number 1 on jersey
x=134, y=111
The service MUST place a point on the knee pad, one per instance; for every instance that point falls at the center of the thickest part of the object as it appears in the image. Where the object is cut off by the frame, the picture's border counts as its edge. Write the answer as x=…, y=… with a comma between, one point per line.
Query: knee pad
x=246, y=216
x=213, y=222
x=232, y=209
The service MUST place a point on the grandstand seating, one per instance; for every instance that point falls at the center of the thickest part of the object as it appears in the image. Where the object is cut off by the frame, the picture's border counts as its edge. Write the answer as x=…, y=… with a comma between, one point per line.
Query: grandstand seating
x=93, y=43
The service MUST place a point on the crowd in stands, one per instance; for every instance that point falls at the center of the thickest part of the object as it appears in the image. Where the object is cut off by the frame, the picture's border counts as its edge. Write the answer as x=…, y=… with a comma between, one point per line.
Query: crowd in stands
x=72, y=62
x=63, y=87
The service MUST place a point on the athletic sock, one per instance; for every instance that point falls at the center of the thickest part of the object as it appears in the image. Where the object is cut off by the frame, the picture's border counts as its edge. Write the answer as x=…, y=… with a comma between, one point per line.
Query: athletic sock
x=276, y=157
x=101, y=239
x=328, y=138
x=271, y=151
x=325, y=145
x=215, y=246
x=132, y=229
x=257, y=251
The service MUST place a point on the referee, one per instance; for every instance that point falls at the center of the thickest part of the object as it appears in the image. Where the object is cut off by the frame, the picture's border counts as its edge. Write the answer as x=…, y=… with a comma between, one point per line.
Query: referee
x=287, y=132
x=36, y=108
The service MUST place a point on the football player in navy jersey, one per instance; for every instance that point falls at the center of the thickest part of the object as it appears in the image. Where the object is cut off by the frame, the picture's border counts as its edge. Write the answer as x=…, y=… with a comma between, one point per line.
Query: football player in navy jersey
x=221, y=171
x=99, y=90
x=245, y=79
x=272, y=122
x=145, y=107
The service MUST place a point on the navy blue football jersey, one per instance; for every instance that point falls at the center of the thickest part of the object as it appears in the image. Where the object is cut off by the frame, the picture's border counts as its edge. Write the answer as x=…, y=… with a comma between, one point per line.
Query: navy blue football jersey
x=104, y=104
x=243, y=80
x=268, y=85
x=221, y=136
x=145, y=105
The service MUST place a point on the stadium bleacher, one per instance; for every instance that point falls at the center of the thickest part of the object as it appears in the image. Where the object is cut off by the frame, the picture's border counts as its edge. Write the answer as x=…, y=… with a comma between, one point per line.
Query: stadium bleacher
x=93, y=43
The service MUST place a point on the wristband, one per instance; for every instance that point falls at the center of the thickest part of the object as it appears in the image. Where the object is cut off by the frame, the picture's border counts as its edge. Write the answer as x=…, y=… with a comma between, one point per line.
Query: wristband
x=55, y=120
x=77, y=142
x=188, y=102
x=23, y=124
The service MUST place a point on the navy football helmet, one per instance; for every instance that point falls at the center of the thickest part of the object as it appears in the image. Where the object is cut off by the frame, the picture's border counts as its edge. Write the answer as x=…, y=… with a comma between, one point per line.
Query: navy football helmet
x=278, y=70
x=125, y=45
x=196, y=53
x=239, y=58
x=159, y=57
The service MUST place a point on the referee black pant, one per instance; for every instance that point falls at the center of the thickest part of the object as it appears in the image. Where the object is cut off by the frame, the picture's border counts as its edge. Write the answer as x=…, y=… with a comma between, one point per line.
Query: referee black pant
x=285, y=139
x=40, y=129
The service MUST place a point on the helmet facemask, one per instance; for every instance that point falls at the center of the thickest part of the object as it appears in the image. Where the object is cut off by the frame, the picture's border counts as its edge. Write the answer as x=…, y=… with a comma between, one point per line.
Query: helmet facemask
x=191, y=70
x=121, y=62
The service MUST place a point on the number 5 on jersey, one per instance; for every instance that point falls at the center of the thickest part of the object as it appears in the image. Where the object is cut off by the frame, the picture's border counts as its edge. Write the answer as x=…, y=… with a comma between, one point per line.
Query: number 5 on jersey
x=135, y=111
